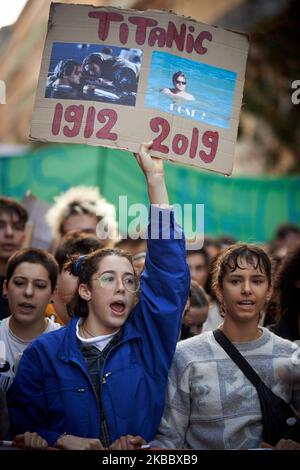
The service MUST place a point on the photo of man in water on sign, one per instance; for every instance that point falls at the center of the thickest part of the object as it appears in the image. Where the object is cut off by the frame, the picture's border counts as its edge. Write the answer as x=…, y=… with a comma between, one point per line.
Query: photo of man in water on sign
x=92, y=72
x=179, y=81
x=200, y=92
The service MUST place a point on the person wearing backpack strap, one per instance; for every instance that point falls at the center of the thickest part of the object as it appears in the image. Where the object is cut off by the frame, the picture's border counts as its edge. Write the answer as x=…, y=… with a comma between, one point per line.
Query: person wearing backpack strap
x=210, y=403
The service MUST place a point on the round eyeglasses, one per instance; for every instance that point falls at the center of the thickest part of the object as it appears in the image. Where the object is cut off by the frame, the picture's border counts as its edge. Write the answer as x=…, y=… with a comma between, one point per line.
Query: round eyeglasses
x=109, y=281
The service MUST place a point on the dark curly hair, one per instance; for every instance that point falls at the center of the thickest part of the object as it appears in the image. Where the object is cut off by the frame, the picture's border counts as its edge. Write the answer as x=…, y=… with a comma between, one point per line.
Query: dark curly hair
x=230, y=259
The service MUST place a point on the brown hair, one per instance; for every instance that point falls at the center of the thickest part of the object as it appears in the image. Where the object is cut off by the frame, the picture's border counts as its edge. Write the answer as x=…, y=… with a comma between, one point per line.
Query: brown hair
x=84, y=267
x=197, y=296
x=287, y=291
x=34, y=256
x=78, y=243
x=230, y=259
x=11, y=206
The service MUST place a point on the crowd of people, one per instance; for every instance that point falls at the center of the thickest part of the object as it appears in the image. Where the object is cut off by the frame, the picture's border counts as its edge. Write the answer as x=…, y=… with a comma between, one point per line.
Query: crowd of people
x=104, y=315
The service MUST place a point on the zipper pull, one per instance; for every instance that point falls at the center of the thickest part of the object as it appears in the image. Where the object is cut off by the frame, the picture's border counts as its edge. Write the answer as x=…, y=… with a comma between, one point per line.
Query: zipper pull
x=105, y=377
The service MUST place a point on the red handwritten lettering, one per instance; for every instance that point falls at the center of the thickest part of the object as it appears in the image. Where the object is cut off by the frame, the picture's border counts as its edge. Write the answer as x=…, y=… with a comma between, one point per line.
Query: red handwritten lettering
x=210, y=140
x=159, y=124
x=104, y=20
x=141, y=27
x=198, y=45
x=189, y=46
x=194, y=143
x=157, y=35
x=124, y=32
x=90, y=121
x=110, y=117
x=73, y=114
x=180, y=144
x=174, y=36
x=56, y=122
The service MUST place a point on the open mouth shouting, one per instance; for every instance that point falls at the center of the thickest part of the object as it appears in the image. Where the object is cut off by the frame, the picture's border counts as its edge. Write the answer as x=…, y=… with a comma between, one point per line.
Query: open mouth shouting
x=118, y=308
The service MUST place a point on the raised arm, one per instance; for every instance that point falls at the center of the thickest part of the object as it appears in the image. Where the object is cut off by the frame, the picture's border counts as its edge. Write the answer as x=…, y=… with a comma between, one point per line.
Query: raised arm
x=165, y=281
x=153, y=169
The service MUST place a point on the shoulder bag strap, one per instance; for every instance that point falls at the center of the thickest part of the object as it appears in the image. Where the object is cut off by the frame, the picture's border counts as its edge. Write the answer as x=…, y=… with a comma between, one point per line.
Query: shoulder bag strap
x=237, y=357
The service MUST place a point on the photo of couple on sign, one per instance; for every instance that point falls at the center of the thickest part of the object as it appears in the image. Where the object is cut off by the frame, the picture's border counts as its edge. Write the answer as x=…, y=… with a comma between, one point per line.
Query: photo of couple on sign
x=89, y=72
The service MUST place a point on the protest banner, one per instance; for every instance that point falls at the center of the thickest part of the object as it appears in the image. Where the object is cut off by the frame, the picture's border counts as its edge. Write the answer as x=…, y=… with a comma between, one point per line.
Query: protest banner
x=116, y=78
x=37, y=169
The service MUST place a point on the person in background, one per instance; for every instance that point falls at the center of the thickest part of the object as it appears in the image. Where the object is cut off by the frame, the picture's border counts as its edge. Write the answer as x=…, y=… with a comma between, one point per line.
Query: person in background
x=82, y=208
x=100, y=381
x=287, y=234
x=29, y=284
x=200, y=268
x=13, y=218
x=210, y=404
x=136, y=245
x=198, y=262
x=212, y=247
x=196, y=312
x=73, y=243
x=287, y=288
x=138, y=261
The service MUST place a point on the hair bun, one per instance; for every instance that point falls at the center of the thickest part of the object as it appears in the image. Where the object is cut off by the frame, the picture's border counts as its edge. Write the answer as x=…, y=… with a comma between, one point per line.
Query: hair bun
x=76, y=265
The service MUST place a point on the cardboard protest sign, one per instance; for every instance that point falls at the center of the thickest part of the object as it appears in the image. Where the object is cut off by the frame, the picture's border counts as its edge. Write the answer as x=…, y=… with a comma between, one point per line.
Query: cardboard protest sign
x=117, y=78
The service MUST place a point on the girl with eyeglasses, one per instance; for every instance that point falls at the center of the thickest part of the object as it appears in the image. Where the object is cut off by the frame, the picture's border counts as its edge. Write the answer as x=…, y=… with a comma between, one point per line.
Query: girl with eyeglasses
x=100, y=382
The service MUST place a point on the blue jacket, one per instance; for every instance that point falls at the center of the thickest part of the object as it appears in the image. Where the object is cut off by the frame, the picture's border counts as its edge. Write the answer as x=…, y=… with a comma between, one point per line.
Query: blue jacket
x=52, y=392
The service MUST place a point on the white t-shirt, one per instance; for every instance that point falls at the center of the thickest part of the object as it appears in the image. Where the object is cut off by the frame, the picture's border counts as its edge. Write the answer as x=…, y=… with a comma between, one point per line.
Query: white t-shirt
x=11, y=350
x=98, y=341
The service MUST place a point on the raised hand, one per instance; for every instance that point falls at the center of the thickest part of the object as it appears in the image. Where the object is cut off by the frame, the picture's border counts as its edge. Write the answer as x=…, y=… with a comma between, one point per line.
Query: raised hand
x=153, y=169
x=151, y=166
